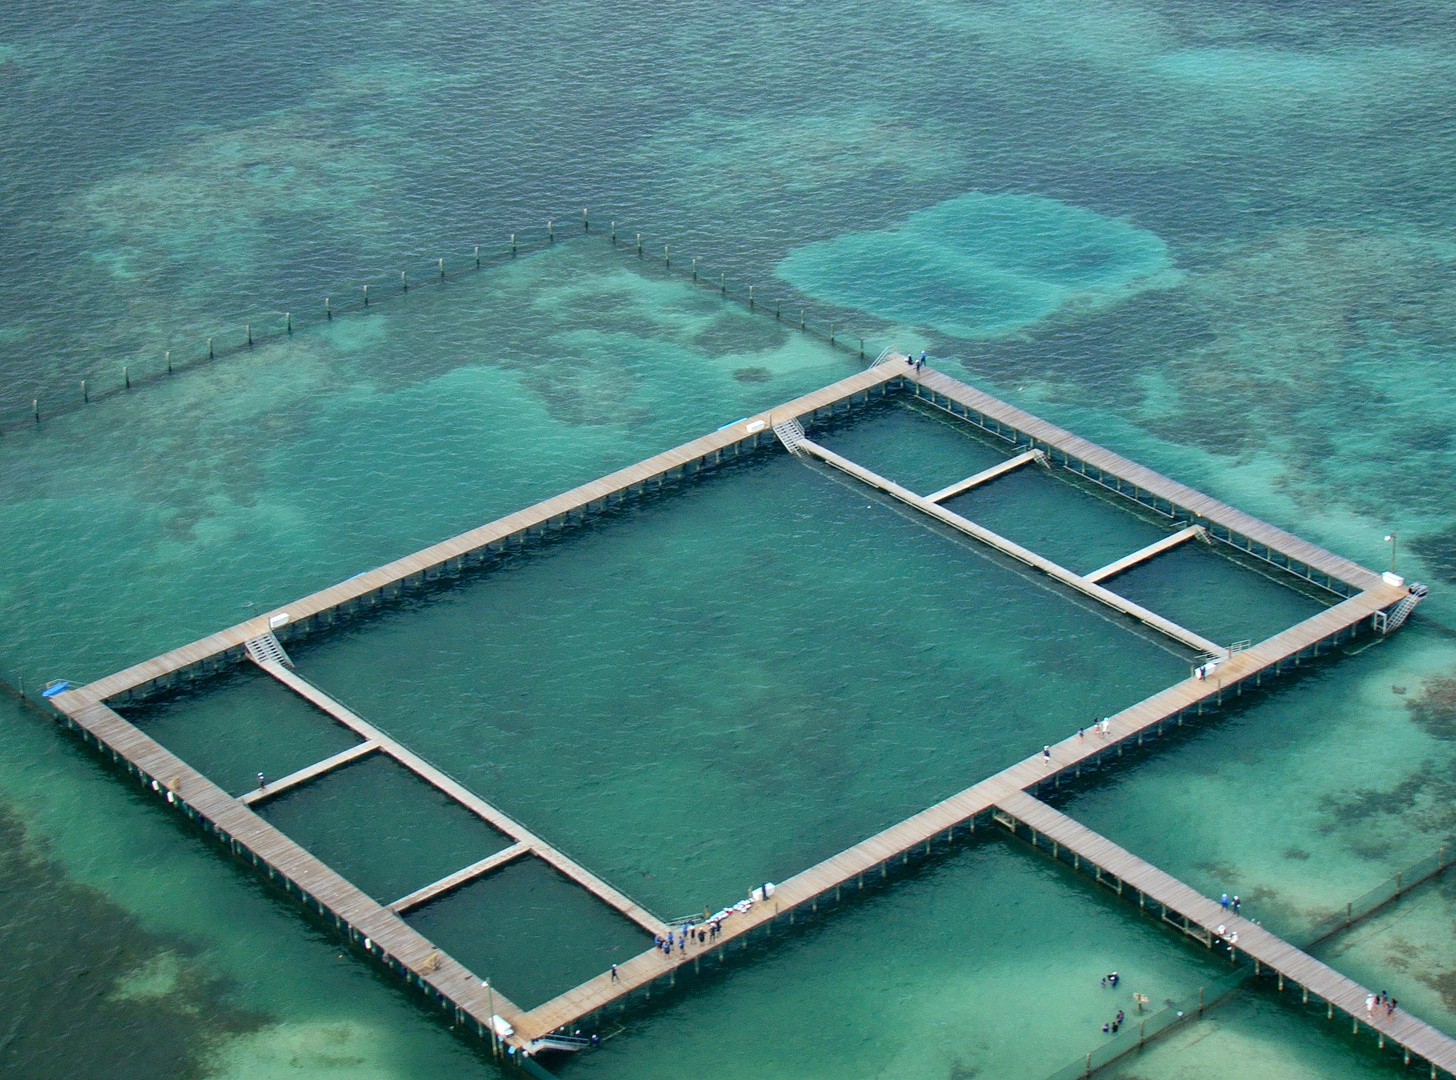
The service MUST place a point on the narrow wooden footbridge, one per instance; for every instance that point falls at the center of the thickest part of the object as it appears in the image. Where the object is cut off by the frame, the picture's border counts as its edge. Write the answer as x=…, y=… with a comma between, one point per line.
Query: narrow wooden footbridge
x=378, y=927
x=1197, y=915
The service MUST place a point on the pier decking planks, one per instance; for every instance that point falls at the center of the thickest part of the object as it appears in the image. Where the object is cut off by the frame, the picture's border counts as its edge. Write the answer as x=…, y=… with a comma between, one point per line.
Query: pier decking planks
x=1141, y=555
x=453, y=881
x=447, y=979
x=311, y=772
x=1267, y=948
x=985, y=476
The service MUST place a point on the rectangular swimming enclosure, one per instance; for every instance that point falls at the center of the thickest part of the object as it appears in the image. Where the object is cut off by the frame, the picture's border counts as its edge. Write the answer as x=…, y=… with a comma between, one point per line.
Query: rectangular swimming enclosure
x=631, y=705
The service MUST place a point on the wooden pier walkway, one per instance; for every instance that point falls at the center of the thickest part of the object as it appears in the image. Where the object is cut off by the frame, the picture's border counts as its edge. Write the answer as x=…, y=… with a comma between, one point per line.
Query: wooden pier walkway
x=380, y=929
x=450, y=882
x=1157, y=547
x=985, y=476
x=310, y=772
x=1119, y=868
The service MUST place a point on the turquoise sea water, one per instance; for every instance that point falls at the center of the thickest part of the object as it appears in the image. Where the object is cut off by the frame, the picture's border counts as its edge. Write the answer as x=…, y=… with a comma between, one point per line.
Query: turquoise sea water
x=1220, y=242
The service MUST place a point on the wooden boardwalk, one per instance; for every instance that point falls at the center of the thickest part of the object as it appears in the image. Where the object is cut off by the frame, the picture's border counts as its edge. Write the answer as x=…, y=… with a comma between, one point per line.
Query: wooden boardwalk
x=381, y=931
x=310, y=772
x=985, y=476
x=1213, y=922
x=450, y=882
x=1157, y=547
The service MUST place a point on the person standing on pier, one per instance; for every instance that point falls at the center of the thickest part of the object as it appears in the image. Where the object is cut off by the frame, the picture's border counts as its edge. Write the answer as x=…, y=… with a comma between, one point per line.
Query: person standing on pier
x=1046, y=755
x=261, y=785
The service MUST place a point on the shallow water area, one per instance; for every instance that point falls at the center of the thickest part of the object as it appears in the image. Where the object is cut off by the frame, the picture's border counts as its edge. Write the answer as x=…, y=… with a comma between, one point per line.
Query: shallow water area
x=1408, y=949
x=193, y=502
x=1264, y=1037
x=1217, y=240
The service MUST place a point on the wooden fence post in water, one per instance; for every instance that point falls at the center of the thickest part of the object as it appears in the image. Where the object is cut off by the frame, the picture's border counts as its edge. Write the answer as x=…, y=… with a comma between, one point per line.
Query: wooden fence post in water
x=442, y=269
x=169, y=361
x=84, y=398
x=126, y=376
x=477, y=256
x=249, y=328
x=513, y=243
x=550, y=234
x=288, y=321
x=213, y=356
x=585, y=224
